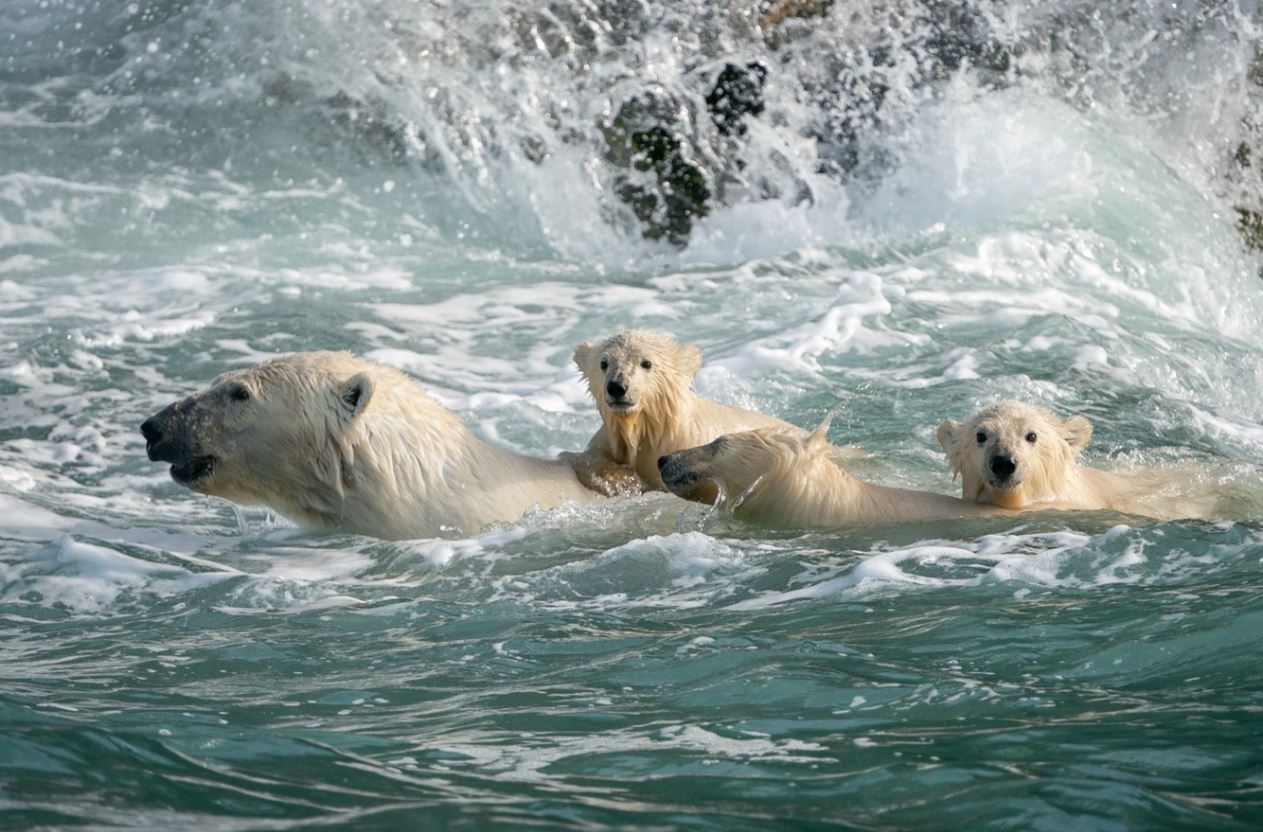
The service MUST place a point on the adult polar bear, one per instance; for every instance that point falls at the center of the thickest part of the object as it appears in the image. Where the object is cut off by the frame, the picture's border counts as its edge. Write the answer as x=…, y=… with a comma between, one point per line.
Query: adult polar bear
x=642, y=382
x=338, y=443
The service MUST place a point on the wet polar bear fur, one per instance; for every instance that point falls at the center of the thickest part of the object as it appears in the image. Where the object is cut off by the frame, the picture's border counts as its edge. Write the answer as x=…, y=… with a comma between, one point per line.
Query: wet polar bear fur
x=334, y=442
x=642, y=382
x=1021, y=456
x=791, y=479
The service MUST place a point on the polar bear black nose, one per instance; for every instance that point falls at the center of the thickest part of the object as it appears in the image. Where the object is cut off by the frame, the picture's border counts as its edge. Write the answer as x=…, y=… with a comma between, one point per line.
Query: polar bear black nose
x=616, y=388
x=1003, y=466
x=662, y=462
x=151, y=429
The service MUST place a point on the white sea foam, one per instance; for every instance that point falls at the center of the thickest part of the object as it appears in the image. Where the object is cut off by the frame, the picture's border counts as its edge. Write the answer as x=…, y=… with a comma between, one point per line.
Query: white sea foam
x=88, y=578
x=529, y=761
x=1066, y=559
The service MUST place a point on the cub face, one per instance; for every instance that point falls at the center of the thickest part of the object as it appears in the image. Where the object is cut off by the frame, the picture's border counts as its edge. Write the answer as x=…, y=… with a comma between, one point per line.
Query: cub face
x=1012, y=453
x=634, y=370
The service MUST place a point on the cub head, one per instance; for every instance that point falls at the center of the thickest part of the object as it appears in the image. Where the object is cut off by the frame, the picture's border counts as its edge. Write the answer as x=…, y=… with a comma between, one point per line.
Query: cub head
x=762, y=472
x=636, y=371
x=1013, y=454
x=280, y=433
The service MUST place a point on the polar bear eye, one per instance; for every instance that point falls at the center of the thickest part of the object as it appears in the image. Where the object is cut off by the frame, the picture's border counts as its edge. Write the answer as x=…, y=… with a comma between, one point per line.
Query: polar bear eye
x=647, y=364
x=605, y=365
x=982, y=437
x=1031, y=437
x=239, y=393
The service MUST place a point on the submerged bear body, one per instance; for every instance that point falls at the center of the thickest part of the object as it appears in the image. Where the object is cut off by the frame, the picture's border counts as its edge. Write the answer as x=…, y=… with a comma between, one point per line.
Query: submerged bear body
x=335, y=442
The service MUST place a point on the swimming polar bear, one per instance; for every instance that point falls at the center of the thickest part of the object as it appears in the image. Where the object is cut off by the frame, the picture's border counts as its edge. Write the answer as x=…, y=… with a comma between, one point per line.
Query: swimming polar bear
x=791, y=479
x=338, y=443
x=642, y=383
x=1021, y=456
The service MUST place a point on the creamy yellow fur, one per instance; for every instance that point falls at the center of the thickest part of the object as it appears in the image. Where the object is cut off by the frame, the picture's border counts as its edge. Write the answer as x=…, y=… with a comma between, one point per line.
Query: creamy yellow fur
x=667, y=414
x=1048, y=474
x=787, y=478
x=339, y=443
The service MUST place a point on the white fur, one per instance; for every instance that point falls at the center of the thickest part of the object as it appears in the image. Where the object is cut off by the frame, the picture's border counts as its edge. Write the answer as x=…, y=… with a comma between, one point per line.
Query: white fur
x=668, y=413
x=1051, y=476
x=339, y=443
x=789, y=479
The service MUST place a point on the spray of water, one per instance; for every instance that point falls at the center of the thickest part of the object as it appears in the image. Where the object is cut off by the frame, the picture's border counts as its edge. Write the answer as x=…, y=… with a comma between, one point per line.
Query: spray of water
x=608, y=131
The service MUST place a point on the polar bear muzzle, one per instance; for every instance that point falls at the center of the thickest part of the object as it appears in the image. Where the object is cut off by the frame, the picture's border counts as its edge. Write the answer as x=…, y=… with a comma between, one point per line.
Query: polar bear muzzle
x=170, y=436
x=686, y=473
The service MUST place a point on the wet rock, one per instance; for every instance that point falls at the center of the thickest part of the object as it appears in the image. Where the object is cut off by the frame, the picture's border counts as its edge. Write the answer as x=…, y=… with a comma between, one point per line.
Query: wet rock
x=959, y=35
x=672, y=189
x=370, y=120
x=1245, y=178
x=779, y=11
x=738, y=92
x=1250, y=224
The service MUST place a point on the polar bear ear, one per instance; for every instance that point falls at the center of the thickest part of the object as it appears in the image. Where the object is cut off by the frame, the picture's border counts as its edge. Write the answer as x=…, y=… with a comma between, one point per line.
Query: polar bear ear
x=819, y=438
x=947, y=433
x=1077, y=432
x=690, y=359
x=583, y=354
x=356, y=393
x=949, y=438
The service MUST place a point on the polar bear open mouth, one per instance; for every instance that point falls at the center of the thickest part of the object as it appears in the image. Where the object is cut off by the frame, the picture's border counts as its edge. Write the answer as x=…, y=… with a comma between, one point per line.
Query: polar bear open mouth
x=186, y=470
x=192, y=471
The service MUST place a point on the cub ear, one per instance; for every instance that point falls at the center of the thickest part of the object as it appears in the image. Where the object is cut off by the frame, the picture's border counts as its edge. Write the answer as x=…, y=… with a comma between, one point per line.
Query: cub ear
x=1077, y=432
x=583, y=354
x=947, y=433
x=690, y=359
x=819, y=437
x=355, y=393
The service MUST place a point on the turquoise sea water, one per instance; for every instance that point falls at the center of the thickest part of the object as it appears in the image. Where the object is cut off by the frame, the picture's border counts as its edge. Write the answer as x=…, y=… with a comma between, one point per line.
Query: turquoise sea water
x=187, y=188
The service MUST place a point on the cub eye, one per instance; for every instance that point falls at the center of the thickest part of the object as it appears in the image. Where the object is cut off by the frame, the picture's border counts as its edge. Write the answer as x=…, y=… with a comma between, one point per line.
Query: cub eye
x=1031, y=437
x=647, y=364
x=605, y=365
x=982, y=437
x=239, y=393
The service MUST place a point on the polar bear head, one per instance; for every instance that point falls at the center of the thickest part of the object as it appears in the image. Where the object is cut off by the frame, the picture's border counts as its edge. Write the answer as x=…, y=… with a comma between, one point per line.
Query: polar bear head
x=1012, y=454
x=637, y=372
x=283, y=433
x=763, y=472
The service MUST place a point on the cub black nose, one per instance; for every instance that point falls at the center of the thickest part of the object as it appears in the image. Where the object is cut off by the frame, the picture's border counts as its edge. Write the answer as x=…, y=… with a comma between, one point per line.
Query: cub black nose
x=1003, y=466
x=151, y=429
x=662, y=462
x=616, y=389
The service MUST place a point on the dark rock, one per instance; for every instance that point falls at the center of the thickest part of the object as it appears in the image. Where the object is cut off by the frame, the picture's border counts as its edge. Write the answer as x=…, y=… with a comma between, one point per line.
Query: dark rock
x=1250, y=224
x=738, y=92
x=673, y=190
x=959, y=35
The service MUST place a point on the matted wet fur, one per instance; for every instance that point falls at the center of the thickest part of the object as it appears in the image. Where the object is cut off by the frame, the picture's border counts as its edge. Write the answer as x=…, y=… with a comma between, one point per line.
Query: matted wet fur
x=791, y=479
x=335, y=442
x=642, y=383
x=1021, y=456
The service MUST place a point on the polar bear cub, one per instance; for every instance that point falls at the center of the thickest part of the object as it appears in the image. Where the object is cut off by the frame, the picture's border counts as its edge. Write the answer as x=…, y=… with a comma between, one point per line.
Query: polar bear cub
x=642, y=383
x=338, y=443
x=790, y=478
x=1021, y=456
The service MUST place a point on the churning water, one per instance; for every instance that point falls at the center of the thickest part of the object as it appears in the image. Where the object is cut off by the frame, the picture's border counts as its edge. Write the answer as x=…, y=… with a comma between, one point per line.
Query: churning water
x=911, y=208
